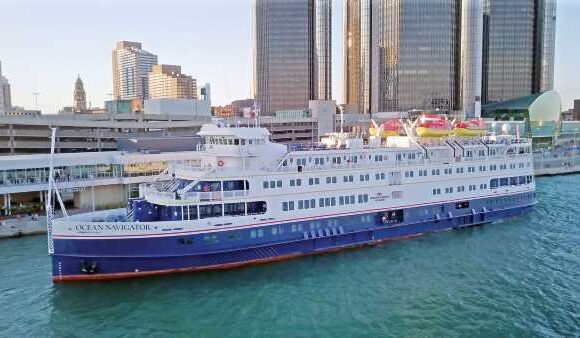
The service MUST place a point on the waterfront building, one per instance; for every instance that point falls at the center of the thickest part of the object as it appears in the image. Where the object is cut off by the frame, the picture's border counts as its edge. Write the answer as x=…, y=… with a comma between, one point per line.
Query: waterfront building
x=27, y=133
x=131, y=67
x=170, y=107
x=167, y=82
x=226, y=111
x=536, y=116
x=79, y=97
x=416, y=54
x=519, y=45
x=85, y=179
x=292, y=53
x=123, y=106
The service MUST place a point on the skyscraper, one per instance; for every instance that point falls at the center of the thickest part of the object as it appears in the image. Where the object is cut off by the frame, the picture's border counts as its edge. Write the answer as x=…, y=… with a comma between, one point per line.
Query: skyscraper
x=357, y=72
x=167, y=81
x=519, y=43
x=131, y=66
x=79, y=96
x=413, y=54
x=292, y=53
x=5, y=100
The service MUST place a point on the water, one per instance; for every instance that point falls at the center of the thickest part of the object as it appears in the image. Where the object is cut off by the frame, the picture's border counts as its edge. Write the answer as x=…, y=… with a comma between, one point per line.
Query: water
x=517, y=278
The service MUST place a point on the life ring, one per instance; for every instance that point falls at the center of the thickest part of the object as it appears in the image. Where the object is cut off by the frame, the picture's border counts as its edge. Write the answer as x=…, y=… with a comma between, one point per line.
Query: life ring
x=220, y=163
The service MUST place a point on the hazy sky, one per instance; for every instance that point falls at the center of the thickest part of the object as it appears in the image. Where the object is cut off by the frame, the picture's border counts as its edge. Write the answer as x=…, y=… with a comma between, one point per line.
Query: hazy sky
x=44, y=44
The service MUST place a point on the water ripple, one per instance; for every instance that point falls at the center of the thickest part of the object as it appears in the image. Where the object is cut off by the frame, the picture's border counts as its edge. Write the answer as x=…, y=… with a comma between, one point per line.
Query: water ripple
x=516, y=278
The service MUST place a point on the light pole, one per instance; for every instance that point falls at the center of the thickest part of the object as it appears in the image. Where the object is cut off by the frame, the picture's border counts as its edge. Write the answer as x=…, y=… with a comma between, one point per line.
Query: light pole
x=92, y=178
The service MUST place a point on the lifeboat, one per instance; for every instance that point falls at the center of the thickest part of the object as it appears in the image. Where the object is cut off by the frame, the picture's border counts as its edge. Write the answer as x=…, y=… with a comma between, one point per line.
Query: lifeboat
x=471, y=128
x=388, y=128
x=433, y=126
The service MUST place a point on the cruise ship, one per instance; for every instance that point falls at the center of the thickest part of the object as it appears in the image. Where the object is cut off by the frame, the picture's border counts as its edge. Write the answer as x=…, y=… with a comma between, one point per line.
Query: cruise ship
x=249, y=200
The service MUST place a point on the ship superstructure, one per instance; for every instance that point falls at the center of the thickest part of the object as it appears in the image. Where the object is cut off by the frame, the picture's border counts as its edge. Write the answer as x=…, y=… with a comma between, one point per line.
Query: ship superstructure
x=250, y=200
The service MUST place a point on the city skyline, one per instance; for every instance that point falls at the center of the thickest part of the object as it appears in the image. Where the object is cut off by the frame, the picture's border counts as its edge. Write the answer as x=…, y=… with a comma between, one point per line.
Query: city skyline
x=194, y=38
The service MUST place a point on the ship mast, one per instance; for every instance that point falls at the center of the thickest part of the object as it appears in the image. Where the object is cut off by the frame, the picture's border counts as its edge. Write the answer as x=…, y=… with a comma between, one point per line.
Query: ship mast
x=51, y=188
x=49, y=211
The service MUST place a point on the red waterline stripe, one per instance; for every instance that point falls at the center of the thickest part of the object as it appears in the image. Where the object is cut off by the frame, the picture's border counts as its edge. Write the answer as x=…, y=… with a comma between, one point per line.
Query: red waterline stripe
x=277, y=222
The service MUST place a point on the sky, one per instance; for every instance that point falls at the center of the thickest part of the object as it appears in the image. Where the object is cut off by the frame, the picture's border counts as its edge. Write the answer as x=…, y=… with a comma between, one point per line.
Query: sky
x=45, y=44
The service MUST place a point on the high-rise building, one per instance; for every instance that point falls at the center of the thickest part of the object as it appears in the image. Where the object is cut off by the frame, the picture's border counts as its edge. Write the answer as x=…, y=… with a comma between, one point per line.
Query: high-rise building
x=131, y=67
x=167, y=81
x=357, y=72
x=79, y=96
x=292, y=53
x=576, y=110
x=5, y=95
x=519, y=44
x=414, y=54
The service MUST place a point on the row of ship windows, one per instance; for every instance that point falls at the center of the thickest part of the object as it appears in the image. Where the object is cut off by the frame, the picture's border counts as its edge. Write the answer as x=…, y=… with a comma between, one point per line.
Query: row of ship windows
x=461, y=188
x=194, y=212
x=297, y=182
x=322, y=227
x=494, y=183
x=324, y=202
x=273, y=184
x=350, y=159
x=449, y=171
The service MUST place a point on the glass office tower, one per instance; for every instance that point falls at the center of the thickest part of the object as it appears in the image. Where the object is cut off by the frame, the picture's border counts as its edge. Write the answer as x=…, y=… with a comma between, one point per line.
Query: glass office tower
x=292, y=53
x=357, y=53
x=418, y=43
x=471, y=57
x=519, y=43
x=413, y=54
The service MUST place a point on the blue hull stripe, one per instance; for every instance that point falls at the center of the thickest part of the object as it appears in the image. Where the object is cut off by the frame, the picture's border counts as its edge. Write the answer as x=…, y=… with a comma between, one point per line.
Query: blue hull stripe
x=94, y=259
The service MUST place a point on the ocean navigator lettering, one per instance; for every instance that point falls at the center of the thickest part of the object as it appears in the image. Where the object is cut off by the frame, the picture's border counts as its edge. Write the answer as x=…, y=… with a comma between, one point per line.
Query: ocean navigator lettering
x=97, y=228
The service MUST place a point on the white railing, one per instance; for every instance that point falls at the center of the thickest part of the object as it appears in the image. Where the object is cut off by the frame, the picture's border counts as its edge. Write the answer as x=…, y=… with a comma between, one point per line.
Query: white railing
x=152, y=194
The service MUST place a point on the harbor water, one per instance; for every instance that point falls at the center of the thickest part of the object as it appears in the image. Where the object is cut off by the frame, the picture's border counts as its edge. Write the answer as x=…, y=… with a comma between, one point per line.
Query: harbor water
x=515, y=278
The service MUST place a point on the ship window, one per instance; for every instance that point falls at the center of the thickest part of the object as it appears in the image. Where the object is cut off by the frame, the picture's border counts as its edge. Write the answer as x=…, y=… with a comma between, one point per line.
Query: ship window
x=351, y=199
x=207, y=186
x=279, y=184
x=284, y=206
x=393, y=217
x=291, y=205
x=321, y=202
x=235, y=209
x=192, y=212
x=265, y=184
x=300, y=204
x=272, y=184
x=306, y=204
x=212, y=210
x=298, y=182
x=235, y=185
x=341, y=200
x=332, y=201
x=258, y=207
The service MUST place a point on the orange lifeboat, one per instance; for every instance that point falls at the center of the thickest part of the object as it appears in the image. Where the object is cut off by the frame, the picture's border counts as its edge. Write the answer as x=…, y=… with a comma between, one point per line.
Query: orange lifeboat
x=471, y=128
x=431, y=125
x=388, y=128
